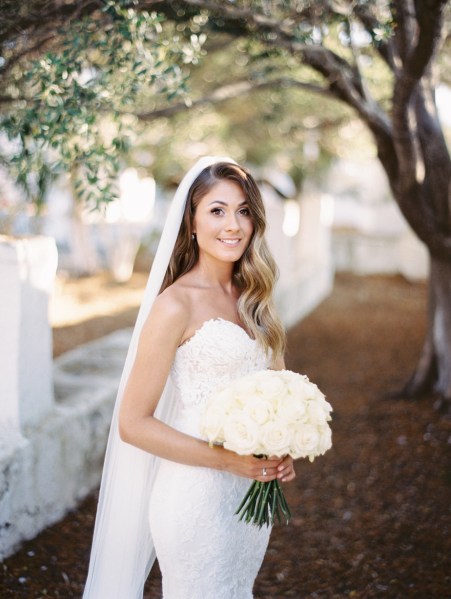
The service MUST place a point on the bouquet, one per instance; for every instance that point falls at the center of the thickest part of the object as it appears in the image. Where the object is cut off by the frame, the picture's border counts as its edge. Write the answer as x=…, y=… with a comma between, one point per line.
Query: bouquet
x=269, y=413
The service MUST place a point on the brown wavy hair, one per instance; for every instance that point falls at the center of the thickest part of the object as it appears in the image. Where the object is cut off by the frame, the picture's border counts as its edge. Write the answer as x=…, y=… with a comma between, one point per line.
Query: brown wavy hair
x=254, y=273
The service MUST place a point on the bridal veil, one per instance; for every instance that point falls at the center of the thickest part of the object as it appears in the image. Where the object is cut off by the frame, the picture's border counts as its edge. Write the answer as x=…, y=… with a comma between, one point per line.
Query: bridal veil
x=122, y=549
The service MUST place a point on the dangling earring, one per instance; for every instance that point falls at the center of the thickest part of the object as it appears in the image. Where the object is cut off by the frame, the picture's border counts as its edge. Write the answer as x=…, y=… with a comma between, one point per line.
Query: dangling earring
x=193, y=236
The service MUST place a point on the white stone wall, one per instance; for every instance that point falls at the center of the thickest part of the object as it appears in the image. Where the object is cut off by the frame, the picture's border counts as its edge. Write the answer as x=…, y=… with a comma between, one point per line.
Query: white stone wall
x=304, y=260
x=48, y=469
x=370, y=253
x=27, y=272
x=370, y=235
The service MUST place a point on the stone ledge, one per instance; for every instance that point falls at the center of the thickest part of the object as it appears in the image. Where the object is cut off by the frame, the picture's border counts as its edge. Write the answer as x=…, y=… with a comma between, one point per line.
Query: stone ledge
x=55, y=464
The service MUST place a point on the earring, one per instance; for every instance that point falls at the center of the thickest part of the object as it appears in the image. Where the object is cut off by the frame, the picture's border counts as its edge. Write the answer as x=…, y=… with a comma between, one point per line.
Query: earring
x=193, y=236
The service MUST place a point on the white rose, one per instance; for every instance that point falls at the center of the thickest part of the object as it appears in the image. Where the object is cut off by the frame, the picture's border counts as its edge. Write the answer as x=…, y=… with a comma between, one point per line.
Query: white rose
x=315, y=393
x=272, y=387
x=310, y=390
x=290, y=377
x=223, y=399
x=233, y=406
x=298, y=384
x=259, y=409
x=316, y=413
x=275, y=439
x=260, y=378
x=212, y=422
x=240, y=434
x=242, y=388
x=325, y=439
x=304, y=441
x=327, y=408
x=292, y=409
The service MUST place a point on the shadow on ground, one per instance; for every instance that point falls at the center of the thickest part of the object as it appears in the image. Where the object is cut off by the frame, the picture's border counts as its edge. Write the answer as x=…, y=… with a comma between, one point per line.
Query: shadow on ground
x=372, y=517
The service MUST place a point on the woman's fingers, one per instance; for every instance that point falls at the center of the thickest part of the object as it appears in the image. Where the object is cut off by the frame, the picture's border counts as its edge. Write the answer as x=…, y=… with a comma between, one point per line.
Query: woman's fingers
x=285, y=470
x=264, y=470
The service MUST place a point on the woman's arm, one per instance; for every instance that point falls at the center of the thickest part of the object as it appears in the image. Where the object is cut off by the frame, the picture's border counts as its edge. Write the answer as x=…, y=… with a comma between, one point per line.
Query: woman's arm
x=160, y=337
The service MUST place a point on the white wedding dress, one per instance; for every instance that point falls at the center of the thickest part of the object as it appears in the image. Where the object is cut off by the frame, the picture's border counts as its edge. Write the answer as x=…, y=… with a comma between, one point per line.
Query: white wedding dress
x=203, y=550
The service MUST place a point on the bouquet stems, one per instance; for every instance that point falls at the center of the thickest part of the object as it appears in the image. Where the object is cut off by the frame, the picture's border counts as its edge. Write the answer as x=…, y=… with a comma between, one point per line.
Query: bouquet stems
x=263, y=503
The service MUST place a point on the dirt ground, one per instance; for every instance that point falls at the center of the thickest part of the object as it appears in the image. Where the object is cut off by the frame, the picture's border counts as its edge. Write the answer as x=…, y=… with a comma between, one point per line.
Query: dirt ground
x=371, y=518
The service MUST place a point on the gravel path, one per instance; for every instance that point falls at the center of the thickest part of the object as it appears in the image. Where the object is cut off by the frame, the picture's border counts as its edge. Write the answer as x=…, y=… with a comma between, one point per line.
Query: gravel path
x=372, y=517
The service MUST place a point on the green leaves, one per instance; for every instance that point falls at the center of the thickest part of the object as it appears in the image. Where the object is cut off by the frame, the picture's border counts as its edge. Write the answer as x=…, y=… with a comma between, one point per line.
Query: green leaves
x=80, y=97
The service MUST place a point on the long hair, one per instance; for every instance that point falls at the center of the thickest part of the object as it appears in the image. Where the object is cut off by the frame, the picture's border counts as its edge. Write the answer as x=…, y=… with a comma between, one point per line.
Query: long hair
x=254, y=273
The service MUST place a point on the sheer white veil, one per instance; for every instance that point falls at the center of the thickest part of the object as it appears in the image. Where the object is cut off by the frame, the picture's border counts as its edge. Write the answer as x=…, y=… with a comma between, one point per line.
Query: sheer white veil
x=122, y=550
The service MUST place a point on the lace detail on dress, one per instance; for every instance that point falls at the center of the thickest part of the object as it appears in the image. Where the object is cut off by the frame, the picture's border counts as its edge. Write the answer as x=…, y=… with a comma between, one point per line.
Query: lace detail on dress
x=204, y=551
x=218, y=352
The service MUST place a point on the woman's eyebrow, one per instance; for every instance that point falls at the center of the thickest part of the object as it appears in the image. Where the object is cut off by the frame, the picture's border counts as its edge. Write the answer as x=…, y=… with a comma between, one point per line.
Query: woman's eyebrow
x=243, y=203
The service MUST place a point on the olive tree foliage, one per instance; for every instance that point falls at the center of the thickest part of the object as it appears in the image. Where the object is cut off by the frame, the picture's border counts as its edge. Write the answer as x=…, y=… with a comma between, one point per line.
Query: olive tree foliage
x=70, y=81
x=238, y=108
x=334, y=49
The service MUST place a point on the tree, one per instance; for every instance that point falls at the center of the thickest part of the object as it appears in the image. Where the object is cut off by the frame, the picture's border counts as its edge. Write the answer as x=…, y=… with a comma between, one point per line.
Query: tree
x=333, y=38
x=338, y=43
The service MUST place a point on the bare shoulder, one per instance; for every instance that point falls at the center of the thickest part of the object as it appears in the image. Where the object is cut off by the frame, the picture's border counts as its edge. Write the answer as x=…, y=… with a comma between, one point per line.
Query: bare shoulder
x=173, y=302
x=169, y=315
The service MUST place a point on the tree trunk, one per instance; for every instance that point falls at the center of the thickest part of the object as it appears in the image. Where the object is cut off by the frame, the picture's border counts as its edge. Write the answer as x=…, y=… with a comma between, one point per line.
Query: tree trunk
x=434, y=367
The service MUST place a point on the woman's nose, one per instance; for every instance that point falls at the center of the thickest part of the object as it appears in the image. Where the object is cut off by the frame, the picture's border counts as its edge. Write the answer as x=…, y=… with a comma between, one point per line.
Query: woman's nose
x=232, y=223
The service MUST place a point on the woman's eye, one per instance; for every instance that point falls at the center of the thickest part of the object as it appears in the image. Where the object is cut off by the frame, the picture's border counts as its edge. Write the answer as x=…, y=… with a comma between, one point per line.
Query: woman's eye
x=245, y=212
x=216, y=211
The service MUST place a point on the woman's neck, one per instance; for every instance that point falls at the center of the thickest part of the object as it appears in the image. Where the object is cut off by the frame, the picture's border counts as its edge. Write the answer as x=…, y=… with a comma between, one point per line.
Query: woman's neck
x=215, y=274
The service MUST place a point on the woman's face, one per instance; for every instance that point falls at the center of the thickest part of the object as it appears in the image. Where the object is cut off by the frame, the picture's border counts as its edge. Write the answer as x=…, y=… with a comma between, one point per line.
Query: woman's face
x=222, y=222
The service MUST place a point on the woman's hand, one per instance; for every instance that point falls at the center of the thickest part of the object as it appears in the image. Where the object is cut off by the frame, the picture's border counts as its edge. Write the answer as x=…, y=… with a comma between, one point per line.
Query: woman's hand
x=261, y=469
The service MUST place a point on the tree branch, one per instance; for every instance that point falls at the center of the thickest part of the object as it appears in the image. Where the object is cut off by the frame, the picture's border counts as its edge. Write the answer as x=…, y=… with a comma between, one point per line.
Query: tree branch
x=11, y=100
x=404, y=15
x=430, y=22
x=339, y=74
x=435, y=154
x=414, y=206
x=406, y=82
x=342, y=84
x=231, y=12
x=229, y=92
x=27, y=50
x=358, y=78
x=370, y=23
x=39, y=15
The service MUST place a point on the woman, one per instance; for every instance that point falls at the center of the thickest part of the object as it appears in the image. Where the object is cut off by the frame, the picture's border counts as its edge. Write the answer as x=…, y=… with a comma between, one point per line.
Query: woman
x=212, y=321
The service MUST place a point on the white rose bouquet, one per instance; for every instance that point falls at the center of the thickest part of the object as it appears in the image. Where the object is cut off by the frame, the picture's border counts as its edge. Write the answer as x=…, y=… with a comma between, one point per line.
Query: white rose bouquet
x=269, y=413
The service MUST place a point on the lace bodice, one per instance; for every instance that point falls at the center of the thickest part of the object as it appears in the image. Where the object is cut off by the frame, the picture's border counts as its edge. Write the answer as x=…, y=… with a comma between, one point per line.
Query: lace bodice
x=218, y=352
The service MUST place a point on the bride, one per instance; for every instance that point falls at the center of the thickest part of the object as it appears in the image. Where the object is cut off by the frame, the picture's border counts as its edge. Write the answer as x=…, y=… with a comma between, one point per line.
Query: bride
x=206, y=319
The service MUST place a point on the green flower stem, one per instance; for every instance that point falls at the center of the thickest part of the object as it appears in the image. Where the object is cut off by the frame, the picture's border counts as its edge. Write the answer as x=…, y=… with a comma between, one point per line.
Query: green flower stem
x=248, y=500
x=283, y=503
x=274, y=511
x=263, y=504
x=251, y=516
